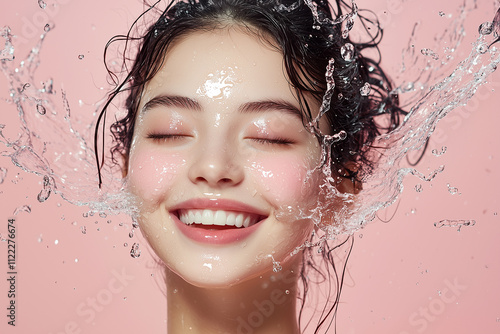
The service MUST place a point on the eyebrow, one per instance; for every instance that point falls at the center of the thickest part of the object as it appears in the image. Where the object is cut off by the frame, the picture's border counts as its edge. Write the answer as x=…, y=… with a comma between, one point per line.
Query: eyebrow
x=248, y=107
x=172, y=101
x=280, y=105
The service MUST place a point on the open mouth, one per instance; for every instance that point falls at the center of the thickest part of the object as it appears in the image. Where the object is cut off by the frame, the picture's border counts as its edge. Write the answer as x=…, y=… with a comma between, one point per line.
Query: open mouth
x=217, y=219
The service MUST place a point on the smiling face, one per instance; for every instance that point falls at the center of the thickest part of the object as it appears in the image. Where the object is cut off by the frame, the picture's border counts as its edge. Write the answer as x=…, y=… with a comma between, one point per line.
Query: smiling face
x=218, y=150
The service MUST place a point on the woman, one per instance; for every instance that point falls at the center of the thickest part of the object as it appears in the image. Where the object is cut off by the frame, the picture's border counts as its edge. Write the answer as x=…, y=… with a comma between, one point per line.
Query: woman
x=89, y=294
x=237, y=147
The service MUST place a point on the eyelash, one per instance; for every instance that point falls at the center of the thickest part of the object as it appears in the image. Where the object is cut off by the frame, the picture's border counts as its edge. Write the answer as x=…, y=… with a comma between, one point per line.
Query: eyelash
x=266, y=141
x=273, y=141
x=164, y=137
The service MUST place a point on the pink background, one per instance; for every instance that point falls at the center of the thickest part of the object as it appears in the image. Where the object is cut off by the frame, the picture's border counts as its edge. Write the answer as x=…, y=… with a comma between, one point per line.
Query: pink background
x=395, y=272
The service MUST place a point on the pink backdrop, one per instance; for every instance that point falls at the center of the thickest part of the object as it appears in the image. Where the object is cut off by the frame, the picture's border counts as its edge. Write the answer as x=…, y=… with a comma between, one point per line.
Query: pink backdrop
x=404, y=276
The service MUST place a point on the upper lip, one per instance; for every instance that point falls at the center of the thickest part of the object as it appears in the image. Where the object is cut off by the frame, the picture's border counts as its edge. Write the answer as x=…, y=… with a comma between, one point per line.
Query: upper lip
x=218, y=204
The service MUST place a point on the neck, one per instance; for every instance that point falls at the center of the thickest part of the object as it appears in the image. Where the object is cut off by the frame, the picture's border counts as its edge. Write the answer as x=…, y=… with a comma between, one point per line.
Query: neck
x=263, y=305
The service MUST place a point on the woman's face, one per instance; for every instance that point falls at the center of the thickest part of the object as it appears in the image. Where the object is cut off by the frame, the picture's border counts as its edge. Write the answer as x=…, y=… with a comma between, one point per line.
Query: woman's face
x=219, y=149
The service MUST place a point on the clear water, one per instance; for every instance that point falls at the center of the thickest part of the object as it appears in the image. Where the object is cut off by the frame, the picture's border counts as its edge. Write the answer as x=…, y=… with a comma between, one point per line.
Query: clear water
x=57, y=144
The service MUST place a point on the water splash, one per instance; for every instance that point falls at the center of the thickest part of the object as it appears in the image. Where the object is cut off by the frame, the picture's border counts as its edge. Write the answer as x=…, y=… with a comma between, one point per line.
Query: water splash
x=347, y=51
x=42, y=4
x=383, y=187
x=365, y=89
x=3, y=174
x=64, y=159
x=454, y=223
x=430, y=53
x=437, y=153
x=8, y=51
x=23, y=208
x=135, y=252
x=54, y=143
x=453, y=190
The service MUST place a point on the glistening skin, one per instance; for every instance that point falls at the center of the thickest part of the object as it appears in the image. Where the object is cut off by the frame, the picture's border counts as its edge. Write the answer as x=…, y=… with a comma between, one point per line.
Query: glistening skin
x=207, y=157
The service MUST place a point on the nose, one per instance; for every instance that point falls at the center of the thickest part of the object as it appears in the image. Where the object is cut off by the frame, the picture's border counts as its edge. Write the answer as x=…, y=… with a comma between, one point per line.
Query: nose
x=218, y=167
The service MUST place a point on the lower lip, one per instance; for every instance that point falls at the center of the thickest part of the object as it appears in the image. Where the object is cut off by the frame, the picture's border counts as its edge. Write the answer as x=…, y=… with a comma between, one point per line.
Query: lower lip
x=216, y=237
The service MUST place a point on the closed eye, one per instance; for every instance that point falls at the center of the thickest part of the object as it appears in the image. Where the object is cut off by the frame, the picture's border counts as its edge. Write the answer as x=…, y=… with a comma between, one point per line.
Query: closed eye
x=273, y=141
x=165, y=137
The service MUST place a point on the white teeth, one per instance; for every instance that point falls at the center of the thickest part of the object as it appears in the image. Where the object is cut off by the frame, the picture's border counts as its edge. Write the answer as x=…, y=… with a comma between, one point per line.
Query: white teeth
x=246, y=222
x=219, y=217
x=231, y=219
x=207, y=218
x=239, y=221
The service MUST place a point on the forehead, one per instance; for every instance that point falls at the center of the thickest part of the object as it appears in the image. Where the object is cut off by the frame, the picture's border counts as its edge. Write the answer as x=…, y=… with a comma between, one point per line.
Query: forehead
x=200, y=62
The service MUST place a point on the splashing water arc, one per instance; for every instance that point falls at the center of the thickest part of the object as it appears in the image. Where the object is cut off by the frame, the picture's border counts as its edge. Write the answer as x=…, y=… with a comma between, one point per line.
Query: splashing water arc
x=55, y=142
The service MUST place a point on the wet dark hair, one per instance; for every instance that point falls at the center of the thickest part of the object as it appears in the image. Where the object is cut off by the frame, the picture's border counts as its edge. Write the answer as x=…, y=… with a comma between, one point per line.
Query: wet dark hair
x=307, y=44
x=309, y=34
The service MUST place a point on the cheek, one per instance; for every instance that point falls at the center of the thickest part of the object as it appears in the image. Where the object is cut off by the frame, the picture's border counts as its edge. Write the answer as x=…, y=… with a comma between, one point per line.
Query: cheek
x=151, y=173
x=284, y=179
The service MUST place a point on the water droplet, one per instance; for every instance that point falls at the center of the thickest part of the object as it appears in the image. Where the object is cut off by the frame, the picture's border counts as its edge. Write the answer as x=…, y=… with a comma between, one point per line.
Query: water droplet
x=441, y=13
x=135, y=252
x=125, y=244
x=486, y=28
x=481, y=48
x=347, y=26
x=56, y=242
x=3, y=174
x=131, y=234
x=81, y=57
x=84, y=229
x=22, y=208
x=452, y=190
x=418, y=188
x=439, y=153
x=287, y=292
x=76, y=260
x=347, y=52
x=46, y=28
x=40, y=239
x=24, y=87
x=102, y=214
x=365, y=90
x=361, y=236
x=410, y=86
x=85, y=215
x=45, y=192
x=175, y=291
x=430, y=53
x=41, y=109
x=454, y=223
x=42, y=4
